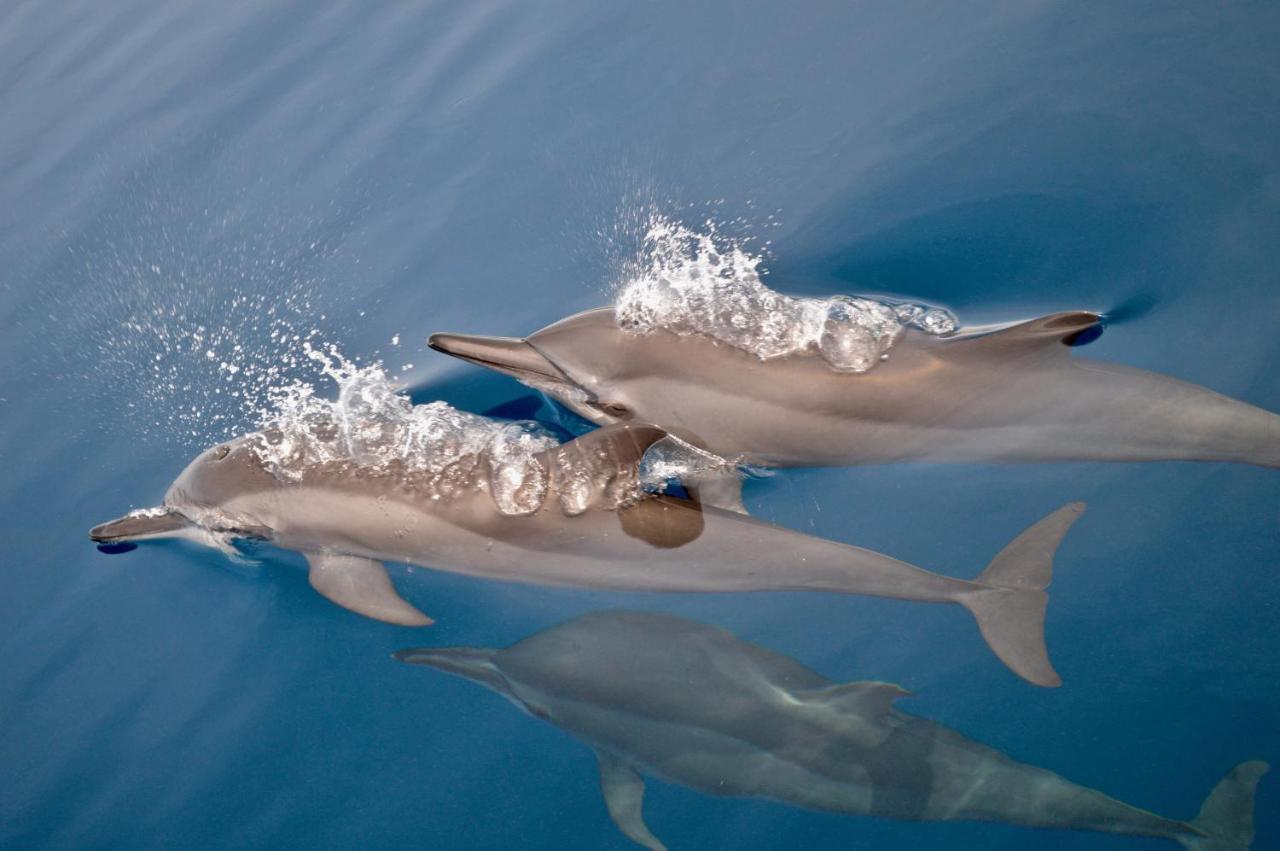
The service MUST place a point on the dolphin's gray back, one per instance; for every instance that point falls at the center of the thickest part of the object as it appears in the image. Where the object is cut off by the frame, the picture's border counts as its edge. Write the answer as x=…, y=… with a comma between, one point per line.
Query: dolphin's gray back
x=695, y=705
x=621, y=658
x=1013, y=395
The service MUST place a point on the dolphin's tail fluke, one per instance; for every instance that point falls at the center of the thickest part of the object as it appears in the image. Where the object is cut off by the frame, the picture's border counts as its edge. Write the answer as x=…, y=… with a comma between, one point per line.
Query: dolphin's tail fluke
x=1010, y=608
x=1225, y=822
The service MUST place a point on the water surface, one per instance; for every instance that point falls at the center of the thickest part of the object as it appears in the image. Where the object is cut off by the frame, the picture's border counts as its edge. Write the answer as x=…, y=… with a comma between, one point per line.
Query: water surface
x=368, y=170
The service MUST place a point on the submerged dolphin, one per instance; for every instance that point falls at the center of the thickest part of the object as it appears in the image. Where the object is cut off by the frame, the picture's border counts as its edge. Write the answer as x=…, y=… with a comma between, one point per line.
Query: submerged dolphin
x=592, y=526
x=694, y=705
x=1010, y=394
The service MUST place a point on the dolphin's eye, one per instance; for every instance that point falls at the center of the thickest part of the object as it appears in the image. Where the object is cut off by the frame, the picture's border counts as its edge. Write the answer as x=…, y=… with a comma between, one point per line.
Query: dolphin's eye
x=221, y=452
x=615, y=409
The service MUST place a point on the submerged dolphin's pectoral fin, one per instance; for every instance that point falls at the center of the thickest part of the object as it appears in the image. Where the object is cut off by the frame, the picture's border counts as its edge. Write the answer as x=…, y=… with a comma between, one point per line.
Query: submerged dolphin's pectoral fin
x=623, y=792
x=860, y=709
x=363, y=586
x=1053, y=333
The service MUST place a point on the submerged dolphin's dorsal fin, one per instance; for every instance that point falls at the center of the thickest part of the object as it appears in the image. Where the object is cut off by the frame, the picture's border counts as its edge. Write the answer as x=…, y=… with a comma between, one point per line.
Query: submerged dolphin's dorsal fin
x=859, y=712
x=869, y=697
x=361, y=585
x=1050, y=333
x=623, y=792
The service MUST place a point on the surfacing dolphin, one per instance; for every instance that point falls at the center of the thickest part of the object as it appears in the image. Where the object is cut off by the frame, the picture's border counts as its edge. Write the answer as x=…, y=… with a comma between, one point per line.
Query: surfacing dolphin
x=592, y=527
x=1010, y=394
x=694, y=705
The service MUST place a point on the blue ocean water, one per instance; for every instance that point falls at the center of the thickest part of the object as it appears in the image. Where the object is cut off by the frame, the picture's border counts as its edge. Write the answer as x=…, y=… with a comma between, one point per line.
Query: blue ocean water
x=384, y=170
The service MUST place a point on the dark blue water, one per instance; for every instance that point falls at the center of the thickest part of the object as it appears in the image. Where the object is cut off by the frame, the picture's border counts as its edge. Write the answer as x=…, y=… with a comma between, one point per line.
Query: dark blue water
x=372, y=169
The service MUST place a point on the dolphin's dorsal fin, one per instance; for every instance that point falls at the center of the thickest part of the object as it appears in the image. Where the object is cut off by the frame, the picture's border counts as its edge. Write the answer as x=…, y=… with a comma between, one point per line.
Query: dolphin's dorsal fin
x=623, y=792
x=1050, y=333
x=623, y=444
x=600, y=468
x=858, y=711
x=869, y=697
x=361, y=585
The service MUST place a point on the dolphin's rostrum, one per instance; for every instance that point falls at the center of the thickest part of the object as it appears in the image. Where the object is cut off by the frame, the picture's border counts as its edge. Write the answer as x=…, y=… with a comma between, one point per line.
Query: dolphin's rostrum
x=1012, y=393
x=592, y=526
x=694, y=705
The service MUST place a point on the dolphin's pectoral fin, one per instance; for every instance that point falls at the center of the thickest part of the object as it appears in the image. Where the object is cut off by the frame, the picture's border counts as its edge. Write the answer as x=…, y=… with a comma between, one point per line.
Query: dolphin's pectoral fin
x=1051, y=333
x=623, y=792
x=361, y=585
x=861, y=709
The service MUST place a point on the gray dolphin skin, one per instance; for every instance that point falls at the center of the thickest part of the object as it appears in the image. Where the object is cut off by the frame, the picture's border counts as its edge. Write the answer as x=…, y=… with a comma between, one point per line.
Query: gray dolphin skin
x=693, y=705
x=593, y=528
x=1011, y=394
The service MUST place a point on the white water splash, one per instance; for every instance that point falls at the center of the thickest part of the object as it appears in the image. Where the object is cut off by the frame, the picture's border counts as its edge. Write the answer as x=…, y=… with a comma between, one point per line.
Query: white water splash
x=184, y=310
x=371, y=426
x=701, y=282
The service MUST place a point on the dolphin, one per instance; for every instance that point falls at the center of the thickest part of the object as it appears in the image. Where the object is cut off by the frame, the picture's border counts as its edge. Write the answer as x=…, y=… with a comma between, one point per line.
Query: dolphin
x=593, y=527
x=694, y=705
x=1008, y=394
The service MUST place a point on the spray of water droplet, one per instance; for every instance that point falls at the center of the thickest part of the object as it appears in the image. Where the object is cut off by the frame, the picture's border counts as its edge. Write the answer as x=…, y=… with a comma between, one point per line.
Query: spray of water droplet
x=688, y=281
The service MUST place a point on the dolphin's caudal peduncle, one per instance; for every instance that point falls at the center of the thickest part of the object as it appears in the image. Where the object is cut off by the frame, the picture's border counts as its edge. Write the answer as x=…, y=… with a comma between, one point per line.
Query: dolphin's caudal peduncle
x=694, y=705
x=1011, y=394
x=572, y=515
